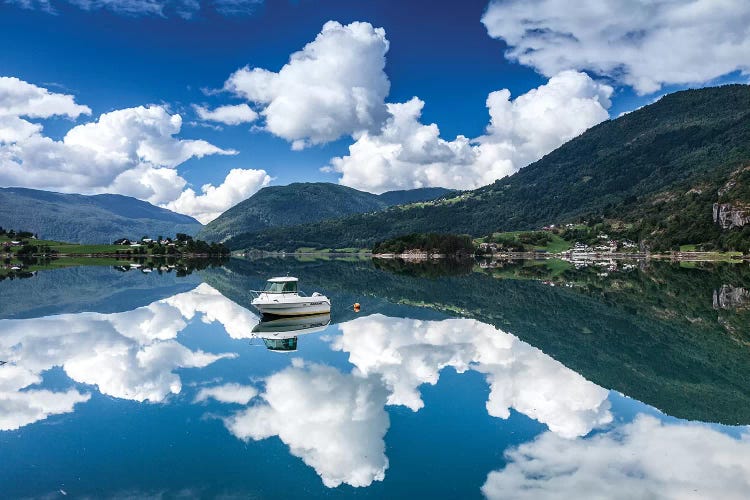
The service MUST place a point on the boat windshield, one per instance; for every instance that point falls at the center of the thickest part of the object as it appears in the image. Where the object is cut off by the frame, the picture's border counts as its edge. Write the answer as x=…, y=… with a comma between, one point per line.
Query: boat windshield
x=281, y=344
x=281, y=287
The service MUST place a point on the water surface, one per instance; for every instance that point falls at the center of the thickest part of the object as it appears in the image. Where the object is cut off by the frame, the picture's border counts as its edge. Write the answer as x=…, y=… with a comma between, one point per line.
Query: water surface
x=526, y=380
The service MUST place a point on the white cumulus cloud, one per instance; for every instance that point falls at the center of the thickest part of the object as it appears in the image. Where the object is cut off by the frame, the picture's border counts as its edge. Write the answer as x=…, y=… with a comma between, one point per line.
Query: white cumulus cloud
x=645, y=45
x=407, y=154
x=238, y=185
x=642, y=459
x=230, y=114
x=406, y=353
x=20, y=98
x=334, y=422
x=334, y=86
x=132, y=151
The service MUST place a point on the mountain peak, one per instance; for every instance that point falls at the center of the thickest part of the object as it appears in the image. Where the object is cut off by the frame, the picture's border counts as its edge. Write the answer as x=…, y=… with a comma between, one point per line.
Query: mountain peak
x=305, y=202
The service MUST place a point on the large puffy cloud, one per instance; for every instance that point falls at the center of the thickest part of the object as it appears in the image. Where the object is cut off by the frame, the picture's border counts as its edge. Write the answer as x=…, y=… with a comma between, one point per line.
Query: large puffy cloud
x=334, y=86
x=406, y=353
x=130, y=355
x=407, y=154
x=334, y=422
x=231, y=114
x=642, y=459
x=238, y=185
x=644, y=45
x=131, y=151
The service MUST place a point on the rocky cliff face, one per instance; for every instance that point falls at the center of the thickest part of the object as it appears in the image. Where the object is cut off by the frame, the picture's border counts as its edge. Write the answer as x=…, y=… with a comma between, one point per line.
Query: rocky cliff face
x=729, y=215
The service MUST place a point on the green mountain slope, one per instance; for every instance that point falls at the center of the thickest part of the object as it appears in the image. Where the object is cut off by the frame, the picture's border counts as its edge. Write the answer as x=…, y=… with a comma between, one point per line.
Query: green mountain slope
x=660, y=168
x=88, y=219
x=300, y=203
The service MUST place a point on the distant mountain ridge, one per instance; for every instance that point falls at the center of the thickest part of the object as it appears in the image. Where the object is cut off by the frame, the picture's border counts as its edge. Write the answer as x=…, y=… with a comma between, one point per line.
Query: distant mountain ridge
x=305, y=202
x=88, y=219
x=660, y=170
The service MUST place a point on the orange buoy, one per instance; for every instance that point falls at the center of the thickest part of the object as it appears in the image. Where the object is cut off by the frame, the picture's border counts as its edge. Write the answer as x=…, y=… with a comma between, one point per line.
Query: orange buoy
x=356, y=307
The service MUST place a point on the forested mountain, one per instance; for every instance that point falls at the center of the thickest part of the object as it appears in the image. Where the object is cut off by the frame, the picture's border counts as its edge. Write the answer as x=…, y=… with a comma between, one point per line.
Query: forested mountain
x=304, y=202
x=88, y=219
x=659, y=170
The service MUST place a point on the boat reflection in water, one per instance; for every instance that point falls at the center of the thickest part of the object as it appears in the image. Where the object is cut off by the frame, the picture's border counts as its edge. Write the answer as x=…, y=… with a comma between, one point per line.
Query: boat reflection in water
x=280, y=335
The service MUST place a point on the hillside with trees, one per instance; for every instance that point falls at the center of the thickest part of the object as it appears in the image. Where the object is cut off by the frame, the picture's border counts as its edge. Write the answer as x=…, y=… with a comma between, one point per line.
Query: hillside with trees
x=88, y=219
x=305, y=202
x=657, y=172
x=433, y=243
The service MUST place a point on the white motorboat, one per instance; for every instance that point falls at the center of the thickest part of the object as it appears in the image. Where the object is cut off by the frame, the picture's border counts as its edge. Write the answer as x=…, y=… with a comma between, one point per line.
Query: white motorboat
x=281, y=297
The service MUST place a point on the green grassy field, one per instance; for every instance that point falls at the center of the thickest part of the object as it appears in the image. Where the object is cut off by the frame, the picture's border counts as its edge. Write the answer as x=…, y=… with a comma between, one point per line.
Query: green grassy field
x=71, y=248
x=556, y=244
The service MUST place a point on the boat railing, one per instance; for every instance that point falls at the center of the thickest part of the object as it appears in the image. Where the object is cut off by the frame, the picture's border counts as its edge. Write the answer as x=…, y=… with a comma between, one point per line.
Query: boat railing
x=257, y=293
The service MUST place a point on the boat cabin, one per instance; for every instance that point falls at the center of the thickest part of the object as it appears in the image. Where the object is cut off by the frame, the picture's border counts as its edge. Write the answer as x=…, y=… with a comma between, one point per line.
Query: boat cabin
x=281, y=285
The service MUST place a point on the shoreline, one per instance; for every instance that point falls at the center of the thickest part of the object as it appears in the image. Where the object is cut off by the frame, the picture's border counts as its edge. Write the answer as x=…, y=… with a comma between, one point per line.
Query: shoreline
x=125, y=256
x=422, y=256
x=572, y=257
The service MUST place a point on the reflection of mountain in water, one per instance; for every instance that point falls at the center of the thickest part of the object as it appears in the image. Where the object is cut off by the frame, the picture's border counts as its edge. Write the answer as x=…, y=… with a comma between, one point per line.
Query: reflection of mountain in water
x=77, y=289
x=336, y=417
x=651, y=334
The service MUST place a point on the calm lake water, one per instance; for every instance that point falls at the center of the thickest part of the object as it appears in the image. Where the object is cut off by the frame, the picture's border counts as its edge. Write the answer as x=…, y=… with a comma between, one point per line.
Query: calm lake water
x=527, y=380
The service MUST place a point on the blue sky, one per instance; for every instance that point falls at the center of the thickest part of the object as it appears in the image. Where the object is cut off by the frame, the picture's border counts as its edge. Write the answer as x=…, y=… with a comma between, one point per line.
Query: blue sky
x=440, y=52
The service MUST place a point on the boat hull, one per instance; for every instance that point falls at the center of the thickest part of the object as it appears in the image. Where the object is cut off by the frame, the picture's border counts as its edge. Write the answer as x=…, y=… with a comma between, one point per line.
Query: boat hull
x=298, y=308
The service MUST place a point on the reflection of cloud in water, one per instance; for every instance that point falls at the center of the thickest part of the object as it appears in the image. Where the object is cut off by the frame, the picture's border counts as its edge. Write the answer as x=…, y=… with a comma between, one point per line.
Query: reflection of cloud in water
x=237, y=321
x=228, y=393
x=642, y=459
x=130, y=355
x=335, y=422
x=407, y=353
x=19, y=408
